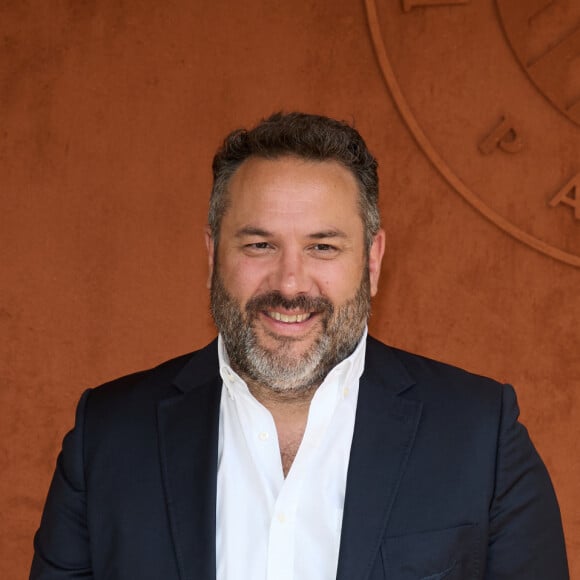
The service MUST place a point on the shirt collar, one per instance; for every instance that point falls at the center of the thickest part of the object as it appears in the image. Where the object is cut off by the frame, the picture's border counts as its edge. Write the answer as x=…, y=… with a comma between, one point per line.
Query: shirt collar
x=345, y=375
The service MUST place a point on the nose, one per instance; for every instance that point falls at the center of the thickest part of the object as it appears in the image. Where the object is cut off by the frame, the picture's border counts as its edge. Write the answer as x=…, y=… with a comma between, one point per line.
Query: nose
x=290, y=276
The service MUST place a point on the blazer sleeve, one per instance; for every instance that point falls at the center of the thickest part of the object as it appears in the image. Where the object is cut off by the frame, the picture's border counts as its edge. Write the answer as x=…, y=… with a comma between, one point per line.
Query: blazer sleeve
x=61, y=544
x=526, y=541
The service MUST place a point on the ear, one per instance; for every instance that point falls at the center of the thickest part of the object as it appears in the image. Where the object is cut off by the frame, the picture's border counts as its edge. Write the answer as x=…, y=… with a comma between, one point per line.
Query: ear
x=210, y=245
x=376, y=253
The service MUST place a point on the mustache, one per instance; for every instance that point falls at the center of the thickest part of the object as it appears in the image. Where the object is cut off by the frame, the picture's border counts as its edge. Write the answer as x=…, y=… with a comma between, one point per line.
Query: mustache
x=274, y=299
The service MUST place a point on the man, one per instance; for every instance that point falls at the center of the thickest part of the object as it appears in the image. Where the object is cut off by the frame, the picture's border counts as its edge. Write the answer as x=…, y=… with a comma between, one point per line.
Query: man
x=294, y=447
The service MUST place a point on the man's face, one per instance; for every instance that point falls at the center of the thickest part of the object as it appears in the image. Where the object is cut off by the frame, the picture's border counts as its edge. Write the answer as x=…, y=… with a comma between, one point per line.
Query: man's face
x=291, y=281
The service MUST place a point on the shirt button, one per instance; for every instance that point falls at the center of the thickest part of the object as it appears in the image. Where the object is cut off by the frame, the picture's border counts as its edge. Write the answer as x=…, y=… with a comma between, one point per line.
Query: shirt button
x=281, y=517
x=263, y=436
x=345, y=391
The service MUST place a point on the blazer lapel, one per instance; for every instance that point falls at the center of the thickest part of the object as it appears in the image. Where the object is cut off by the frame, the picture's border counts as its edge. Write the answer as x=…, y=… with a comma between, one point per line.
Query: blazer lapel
x=384, y=433
x=188, y=425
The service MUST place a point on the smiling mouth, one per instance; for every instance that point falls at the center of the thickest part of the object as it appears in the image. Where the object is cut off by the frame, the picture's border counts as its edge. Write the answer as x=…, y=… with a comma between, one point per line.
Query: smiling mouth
x=289, y=318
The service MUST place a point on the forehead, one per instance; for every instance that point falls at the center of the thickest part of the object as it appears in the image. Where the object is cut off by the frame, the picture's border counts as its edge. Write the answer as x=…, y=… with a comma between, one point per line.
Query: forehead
x=290, y=187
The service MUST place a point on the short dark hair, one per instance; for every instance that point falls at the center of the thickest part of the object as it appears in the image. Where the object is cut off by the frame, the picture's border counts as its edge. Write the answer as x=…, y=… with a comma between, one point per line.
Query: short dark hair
x=311, y=137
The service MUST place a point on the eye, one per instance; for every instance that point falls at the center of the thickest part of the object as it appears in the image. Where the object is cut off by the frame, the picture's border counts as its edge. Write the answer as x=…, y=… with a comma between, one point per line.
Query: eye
x=324, y=250
x=257, y=248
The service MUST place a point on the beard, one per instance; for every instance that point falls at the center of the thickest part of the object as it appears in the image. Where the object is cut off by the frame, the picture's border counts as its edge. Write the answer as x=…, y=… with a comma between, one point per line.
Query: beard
x=279, y=368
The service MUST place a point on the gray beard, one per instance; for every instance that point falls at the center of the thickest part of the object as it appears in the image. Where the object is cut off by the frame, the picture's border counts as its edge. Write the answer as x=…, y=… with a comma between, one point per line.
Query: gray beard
x=278, y=368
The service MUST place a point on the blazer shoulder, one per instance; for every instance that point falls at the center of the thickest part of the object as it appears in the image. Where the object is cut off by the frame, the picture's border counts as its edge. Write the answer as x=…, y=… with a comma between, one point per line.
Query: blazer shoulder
x=438, y=378
x=164, y=380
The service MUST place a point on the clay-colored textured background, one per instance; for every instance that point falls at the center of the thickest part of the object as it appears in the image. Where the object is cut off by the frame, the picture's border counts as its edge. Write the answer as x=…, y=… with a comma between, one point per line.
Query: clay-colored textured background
x=110, y=113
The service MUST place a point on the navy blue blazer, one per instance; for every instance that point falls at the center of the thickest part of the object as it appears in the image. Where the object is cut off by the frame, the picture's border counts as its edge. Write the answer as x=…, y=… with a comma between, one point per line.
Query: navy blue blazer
x=443, y=482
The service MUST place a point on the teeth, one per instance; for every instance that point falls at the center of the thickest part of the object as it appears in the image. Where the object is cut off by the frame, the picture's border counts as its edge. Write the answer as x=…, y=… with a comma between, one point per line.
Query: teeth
x=289, y=317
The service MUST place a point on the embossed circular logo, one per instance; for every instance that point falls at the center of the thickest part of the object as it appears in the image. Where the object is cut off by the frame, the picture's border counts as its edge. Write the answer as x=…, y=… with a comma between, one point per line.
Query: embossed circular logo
x=545, y=36
x=474, y=81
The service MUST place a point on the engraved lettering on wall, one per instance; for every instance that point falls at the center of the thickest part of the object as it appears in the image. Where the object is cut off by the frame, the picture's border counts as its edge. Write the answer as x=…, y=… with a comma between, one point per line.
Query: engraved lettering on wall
x=504, y=136
x=410, y=4
x=569, y=195
x=545, y=35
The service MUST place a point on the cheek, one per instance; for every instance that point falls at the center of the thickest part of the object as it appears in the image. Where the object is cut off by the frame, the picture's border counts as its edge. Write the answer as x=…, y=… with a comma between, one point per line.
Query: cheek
x=243, y=278
x=340, y=284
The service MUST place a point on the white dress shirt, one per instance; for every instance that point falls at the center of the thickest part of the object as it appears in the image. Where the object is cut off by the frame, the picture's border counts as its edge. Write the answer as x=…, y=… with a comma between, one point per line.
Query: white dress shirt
x=275, y=528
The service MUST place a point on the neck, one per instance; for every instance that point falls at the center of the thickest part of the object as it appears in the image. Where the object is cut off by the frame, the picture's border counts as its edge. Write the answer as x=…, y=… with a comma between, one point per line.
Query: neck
x=271, y=397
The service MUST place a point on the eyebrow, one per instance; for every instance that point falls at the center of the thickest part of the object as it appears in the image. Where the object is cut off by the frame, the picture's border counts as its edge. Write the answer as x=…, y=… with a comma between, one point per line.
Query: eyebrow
x=253, y=231
x=328, y=234
x=256, y=231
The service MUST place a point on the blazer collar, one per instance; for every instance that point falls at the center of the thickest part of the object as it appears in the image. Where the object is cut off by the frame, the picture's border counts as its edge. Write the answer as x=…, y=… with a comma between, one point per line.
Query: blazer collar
x=188, y=424
x=201, y=367
x=385, y=428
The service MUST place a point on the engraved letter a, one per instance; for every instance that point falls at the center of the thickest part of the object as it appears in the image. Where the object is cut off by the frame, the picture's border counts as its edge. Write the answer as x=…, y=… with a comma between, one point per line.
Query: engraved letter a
x=569, y=195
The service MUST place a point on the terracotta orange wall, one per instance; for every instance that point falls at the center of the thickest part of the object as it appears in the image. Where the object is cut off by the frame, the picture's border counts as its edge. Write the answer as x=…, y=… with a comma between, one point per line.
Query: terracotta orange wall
x=109, y=115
